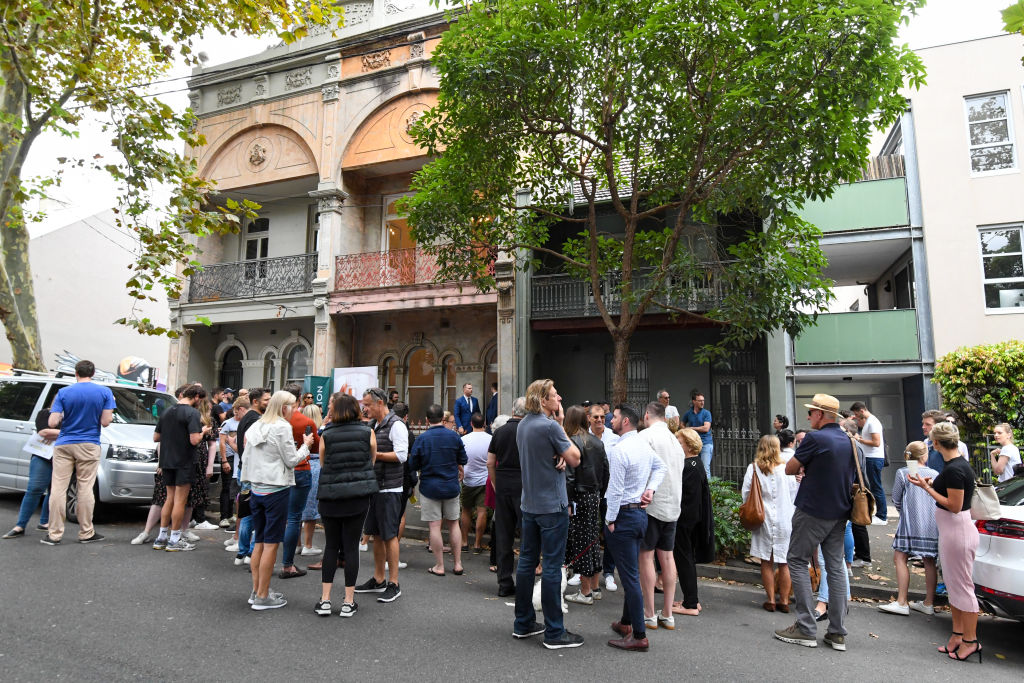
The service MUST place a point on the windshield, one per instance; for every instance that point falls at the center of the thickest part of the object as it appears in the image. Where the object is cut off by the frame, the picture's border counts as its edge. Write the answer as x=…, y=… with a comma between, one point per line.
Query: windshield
x=139, y=406
x=1011, y=491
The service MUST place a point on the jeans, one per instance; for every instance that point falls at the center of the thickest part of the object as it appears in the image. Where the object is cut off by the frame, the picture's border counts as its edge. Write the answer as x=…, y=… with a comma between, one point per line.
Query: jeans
x=808, y=533
x=296, y=504
x=624, y=542
x=245, y=535
x=848, y=552
x=874, y=473
x=507, y=518
x=39, y=471
x=228, y=491
x=542, y=535
x=706, y=451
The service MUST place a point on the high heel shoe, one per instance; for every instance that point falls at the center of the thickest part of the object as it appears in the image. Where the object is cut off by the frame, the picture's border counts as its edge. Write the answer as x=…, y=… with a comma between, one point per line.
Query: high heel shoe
x=942, y=648
x=955, y=654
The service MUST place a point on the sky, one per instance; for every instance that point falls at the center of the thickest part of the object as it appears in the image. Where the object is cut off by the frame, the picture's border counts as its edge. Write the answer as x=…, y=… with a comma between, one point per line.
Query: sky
x=84, y=193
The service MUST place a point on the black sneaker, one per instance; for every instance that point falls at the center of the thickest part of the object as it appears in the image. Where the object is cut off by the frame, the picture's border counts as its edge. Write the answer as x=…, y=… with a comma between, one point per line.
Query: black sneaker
x=567, y=640
x=323, y=608
x=46, y=540
x=371, y=586
x=92, y=539
x=534, y=630
x=348, y=609
x=391, y=593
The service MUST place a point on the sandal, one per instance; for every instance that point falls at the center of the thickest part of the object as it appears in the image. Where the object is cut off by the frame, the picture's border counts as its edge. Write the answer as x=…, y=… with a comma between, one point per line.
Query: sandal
x=430, y=570
x=493, y=568
x=955, y=654
x=942, y=648
x=316, y=566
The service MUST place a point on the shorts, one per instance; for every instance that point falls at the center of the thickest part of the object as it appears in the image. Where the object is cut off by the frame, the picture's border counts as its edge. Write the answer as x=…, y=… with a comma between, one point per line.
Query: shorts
x=660, y=535
x=269, y=516
x=432, y=510
x=384, y=516
x=473, y=496
x=181, y=476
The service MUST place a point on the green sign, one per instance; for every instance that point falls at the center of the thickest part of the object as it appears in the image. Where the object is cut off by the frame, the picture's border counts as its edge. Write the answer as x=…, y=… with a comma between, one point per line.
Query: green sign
x=320, y=387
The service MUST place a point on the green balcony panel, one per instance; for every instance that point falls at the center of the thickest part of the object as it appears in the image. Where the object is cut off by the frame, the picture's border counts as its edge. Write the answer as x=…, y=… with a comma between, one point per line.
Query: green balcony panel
x=860, y=337
x=861, y=206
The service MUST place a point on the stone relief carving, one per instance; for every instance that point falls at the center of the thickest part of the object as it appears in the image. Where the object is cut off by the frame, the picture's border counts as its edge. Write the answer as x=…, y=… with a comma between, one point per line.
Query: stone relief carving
x=194, y=99
x=228, y=96
x=411, y=120
x=376, y=60
x=298, y=78
x=257, y=154
x=358, y=12
x=262, y=83
x=397, y=7
x=330, y=91
x=416, y=51
x=333, y=71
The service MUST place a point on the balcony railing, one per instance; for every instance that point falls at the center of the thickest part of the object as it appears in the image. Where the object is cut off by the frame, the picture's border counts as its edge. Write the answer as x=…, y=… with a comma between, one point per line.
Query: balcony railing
x=860, y=337
x=371, y=270
x=562, y=296
x=256, y=278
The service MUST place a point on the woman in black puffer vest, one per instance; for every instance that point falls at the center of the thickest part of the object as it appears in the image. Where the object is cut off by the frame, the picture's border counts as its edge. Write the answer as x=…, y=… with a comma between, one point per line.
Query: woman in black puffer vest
x=348, y=450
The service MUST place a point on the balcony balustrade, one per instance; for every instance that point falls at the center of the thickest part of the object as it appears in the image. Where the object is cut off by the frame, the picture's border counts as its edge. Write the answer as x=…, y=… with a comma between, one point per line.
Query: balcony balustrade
x=252, y=279
x=860, y=337
x=375, y=269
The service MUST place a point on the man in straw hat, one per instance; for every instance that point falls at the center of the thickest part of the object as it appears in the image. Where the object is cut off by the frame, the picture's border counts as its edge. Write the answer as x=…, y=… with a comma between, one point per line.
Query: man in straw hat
x=823, y=505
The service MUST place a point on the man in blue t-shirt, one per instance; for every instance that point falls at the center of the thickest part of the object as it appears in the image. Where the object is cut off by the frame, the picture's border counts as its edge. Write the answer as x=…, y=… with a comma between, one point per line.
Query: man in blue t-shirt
x=79, y=411
x=544, y=452
x=699, y=418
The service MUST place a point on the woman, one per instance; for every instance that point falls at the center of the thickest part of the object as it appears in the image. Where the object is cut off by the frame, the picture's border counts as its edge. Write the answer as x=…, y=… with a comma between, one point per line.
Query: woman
x=916, y=533
x=449, y=420
x=695, y=532
x=582, y=549
x=348, y=450
x=269, y=467
x=779, y=423
x=199, y=492
x=770, y=542
x=952, y=491
x=310, y=516
x=40, y=469
x=1007, y=455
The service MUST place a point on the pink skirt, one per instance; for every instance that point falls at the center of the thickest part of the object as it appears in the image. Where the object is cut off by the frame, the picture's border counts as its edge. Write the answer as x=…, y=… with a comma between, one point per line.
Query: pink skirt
x=958, y=541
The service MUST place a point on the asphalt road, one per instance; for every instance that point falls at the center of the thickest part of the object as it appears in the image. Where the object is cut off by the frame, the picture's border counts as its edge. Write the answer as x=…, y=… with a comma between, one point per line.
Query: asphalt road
x=113, y=611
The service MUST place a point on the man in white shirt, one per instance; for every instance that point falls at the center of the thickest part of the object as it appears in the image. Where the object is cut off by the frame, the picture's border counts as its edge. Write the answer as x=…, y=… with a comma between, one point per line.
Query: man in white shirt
x=671, y=412
x=474, y=483
x=870, y=440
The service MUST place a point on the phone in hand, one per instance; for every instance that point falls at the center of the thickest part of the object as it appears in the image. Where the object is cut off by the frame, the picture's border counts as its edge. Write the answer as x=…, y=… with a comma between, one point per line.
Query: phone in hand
x=309, y=429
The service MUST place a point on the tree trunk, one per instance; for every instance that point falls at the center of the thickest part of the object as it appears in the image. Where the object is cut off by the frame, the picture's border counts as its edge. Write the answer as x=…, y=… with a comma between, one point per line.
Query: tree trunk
x=621, y=365
x=17, y=294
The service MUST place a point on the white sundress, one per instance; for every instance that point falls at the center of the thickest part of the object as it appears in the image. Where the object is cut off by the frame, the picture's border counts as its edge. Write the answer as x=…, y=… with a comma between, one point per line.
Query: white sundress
x=772, y=538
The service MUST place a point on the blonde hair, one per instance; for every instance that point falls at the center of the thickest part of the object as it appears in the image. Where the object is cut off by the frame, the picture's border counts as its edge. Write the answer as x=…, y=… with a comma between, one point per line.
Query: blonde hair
x=275, y=409
x=312, y=411
x=537, y=392
x=917, y=450
x=768, y=453
x=689, y=440
x=946, y=434
x=1005, y=426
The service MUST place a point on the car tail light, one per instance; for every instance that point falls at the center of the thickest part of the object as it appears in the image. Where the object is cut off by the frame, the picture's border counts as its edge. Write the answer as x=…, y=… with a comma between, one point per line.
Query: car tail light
x=1000, y=594
x=1002, y=528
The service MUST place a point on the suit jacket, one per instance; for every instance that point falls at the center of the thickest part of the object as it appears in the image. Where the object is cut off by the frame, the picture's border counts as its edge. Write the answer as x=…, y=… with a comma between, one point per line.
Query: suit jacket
x=492, y=410
x=464, y=410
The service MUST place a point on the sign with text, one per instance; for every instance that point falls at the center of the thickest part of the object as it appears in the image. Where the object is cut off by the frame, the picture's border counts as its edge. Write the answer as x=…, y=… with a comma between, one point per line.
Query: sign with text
x=355, y=381
x=320, y=387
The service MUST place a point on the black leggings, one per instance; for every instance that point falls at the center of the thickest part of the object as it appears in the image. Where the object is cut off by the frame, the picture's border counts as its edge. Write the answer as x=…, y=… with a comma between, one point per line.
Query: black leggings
x=342, y=544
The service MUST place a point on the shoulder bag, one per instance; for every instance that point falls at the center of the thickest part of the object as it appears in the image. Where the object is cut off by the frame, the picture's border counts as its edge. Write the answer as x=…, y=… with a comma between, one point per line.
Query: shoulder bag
x=752, y=510
x=985, y=502
x=863, y=502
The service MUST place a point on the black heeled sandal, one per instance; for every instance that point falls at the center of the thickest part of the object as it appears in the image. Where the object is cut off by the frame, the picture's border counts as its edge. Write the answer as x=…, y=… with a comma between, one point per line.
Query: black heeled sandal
x=956, y=655
x=942, y=648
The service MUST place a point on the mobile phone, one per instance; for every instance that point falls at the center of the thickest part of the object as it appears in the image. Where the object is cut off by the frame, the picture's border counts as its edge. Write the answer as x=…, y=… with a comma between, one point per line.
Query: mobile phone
x=309, y=430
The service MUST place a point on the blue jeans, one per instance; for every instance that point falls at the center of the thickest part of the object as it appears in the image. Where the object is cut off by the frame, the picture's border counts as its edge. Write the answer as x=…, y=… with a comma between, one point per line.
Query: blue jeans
x=39, y=471
x=706, y=452
x=874, y=473
x=245, y=535
x=624, y=542
x=541, y=535
x=848, y=552
x=296, y=504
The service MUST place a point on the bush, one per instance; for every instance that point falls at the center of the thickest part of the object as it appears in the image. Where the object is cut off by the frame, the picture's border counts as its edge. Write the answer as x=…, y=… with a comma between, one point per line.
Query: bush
x=983, y=385
x=731, y=539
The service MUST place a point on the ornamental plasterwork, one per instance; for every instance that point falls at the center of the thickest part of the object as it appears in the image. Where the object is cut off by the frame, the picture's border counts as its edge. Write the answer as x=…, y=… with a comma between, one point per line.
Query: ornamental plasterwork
x=330, y=92
x=262, y=84
x=396, y=7
x=416, y=50
x=298, y=78
x=376, y=60
x=228, y=96
x=257, y=154
x=358, y=12
x=194, y=100
x=333, y=71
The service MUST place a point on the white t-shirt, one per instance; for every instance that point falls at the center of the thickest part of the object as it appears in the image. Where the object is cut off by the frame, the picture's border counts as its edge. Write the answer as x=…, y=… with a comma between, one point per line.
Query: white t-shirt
x=1013, y=453
x=475, y=471
x=608, y=438
x=670, y=412
x=872, y=426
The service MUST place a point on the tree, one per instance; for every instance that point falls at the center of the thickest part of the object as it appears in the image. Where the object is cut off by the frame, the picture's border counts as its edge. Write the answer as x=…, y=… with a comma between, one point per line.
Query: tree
x=675, y=113
x=983, y=385
x=61, y=60
x=1013, y=18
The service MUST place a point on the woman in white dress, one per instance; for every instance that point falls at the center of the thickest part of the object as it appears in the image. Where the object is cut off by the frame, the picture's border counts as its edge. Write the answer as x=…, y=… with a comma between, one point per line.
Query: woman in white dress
x=770, y=543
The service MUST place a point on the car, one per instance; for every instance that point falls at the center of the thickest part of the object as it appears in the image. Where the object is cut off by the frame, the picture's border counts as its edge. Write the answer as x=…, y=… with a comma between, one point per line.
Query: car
x=129, y=456
x=999, y=561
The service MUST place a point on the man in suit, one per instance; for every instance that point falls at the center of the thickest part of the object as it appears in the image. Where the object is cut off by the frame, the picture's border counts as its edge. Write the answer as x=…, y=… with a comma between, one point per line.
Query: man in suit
x=465, y=406
x=492, y=407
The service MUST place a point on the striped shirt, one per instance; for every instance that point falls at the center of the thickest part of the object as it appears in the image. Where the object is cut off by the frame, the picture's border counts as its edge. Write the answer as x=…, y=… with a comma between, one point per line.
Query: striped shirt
x=633, y=467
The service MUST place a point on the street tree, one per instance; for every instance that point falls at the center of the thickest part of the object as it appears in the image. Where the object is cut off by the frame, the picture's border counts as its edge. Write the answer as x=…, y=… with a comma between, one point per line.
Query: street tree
x=984, y=386
x=673, y=115
x=64, y=60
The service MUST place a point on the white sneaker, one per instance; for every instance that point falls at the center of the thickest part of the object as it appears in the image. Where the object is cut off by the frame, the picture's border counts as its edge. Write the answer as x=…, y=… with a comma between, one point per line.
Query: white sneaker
x=248, y=560
x=574, y=581
x=579, y=598
x=191, y=524
x=895, y=608
x=312, y=550
x=230, y=541
x=879, y=522
x=609, y=583
x=668, y=622
x=918, y=606
x=858, y=563
x=142, y=539
x=224, y=523
x=191, y=537
x=363, y=547
x=239, y=561
x=651, y=623
x=206, y=526
x=401, y=565
x=233, y=548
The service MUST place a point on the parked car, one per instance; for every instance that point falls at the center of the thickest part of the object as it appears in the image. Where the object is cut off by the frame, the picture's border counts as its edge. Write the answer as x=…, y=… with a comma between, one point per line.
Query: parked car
x=129, y=461
x=999, y=562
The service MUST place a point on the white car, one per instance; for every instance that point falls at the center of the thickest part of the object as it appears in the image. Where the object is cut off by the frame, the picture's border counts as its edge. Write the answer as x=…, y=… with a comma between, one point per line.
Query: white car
x=999, y=562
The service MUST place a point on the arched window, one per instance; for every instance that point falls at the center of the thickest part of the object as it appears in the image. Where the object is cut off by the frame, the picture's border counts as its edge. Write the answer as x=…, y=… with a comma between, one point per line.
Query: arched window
x=420, y=377
x=231, y=368
x=451, y=391
x=388, y=372
x=296, y=365
x=270, y=371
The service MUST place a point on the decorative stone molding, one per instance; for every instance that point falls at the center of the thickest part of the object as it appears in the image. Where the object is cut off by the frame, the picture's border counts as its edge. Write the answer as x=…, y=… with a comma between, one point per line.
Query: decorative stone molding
x=257, y=154
x=333, y=71
x=298, y=78
x=416, y=51
x=357, y=13
x=228, y=96
x=195, y=101
x=261, y=85
x=329, y=200
x=330, y=92
x=469, y=367
x=376, y=60
x=397, y=6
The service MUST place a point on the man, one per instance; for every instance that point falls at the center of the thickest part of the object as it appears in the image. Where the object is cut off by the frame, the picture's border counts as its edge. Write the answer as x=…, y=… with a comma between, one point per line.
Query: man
x=507, y=479
x=662, y=516
x=178, y=432
x=928, y=420
x=474, y=484
x=634, y=473
x=227, y=400
x=465, y=406
x=544, y=452
x=492, y=407
x=298, y=493
x=823, y=503
x=598, y=428
x=607, y=408
x=385, y=514
x=216, y=405
x=798, y=438
x=699, y=418
x=870, y=439
x=439, y=456
x=671, y=412
x=229, y=454
x=392, y=399
x=79, y=411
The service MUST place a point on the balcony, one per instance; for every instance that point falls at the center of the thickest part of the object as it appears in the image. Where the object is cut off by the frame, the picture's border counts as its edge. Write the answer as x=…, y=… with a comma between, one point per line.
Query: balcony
x=252, y=279
x=562, y=296
x=376, y=269
x=860, y=337
x=877, y=200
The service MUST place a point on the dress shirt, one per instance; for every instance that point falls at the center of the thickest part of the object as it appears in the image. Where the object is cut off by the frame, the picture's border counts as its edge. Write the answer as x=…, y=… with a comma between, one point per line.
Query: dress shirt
x=633, y=467
x=608, y=437
x=399, y=435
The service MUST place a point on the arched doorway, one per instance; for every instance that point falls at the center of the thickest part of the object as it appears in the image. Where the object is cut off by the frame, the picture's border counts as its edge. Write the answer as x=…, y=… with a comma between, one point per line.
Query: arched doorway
x=231, y=368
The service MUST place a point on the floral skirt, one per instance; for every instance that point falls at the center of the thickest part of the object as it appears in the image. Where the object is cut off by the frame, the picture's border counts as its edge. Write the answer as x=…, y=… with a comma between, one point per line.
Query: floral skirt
x=582, y=549
x=199, y=492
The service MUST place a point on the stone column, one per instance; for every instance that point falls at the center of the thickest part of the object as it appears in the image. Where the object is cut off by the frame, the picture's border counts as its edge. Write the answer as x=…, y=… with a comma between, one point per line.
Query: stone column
x=330, y=202
x=252, y=373
x=505, y=275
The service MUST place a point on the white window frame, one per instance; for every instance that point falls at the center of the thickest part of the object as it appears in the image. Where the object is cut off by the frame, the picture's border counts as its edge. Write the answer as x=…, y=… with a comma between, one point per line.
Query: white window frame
x=1011, y=135
x=981, y=265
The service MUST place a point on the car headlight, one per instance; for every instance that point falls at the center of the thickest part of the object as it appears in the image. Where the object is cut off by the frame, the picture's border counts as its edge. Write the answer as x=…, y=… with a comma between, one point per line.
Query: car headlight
x=129, y=454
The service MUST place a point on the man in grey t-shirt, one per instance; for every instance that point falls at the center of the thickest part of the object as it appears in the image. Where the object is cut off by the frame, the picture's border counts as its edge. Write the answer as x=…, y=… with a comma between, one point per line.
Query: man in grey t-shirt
x=544, y=451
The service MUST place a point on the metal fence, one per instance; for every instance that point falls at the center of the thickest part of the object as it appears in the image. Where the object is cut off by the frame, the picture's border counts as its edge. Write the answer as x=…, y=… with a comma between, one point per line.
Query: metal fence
x=255, y=278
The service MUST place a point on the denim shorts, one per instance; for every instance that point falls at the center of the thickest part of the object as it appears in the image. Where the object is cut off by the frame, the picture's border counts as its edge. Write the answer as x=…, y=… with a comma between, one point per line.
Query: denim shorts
x=270, y=515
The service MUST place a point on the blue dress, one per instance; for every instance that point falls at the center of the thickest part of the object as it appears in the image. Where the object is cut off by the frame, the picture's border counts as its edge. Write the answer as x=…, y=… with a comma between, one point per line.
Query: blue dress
x=916, y=533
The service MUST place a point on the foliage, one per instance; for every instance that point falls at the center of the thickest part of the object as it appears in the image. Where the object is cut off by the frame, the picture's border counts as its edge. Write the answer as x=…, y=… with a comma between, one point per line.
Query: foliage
x=61, y=60
x=731, y=538
x=983, y=385
x=670, y=114
x=1013, y=18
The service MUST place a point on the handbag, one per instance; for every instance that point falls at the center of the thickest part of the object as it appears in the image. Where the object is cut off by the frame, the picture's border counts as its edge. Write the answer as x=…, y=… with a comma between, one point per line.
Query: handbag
x=985, y=503
x=752, y=510
x=863, y=502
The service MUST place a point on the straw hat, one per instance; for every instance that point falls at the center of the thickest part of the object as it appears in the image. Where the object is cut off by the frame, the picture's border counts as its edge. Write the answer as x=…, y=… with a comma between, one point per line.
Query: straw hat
x=829, y=404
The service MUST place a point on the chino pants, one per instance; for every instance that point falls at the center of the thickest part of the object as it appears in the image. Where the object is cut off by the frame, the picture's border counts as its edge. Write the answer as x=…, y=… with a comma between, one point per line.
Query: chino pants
x=80, y=460
x=808, y=533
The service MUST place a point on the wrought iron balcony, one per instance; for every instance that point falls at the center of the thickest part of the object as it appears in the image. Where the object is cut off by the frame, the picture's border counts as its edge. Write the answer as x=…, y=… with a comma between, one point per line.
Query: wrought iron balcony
x=255, y=278
x=375, y=269
x=562, y=296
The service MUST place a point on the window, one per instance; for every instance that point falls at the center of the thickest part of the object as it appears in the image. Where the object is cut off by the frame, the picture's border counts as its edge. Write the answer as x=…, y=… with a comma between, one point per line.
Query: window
x=990, y=133
x=387, y=376
x=1002, y=267
x=296, y=365
x=257, y=244
x=451, y=390
x=420, y=376
x=270, y=371
x=18, y=400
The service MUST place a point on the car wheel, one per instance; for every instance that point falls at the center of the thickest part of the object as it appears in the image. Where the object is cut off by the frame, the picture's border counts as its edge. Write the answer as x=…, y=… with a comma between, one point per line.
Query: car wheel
x=71, y=506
